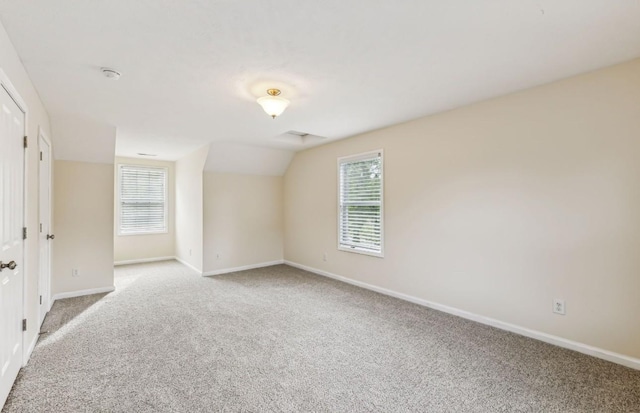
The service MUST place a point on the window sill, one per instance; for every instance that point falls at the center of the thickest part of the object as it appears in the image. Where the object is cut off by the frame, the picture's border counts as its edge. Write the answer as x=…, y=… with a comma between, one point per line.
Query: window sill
x=362, y=251
x=129, y=234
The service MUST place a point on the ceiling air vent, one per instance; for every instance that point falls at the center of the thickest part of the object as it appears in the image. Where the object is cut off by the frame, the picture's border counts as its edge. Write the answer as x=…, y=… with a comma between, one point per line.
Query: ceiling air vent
x=296, y=133
x=299, y=138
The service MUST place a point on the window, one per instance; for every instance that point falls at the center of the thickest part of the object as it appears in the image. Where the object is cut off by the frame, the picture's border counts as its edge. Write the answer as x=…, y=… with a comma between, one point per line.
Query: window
x=142, y=200
x=360, y=204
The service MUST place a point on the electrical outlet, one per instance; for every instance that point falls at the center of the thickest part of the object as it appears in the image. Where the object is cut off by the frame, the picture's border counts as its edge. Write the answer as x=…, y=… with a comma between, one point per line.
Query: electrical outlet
x=559, y=306
x=189, y=251
x=75, y=273
x=324, y=256
x=217, y=256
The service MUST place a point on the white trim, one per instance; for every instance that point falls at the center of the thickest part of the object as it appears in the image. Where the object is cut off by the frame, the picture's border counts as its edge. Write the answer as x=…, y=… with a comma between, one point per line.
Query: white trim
x=42, y=133
x=13, y=92
x=618, y=358
x=27, y=354
x=80, y=293
x=183, y=262
x=143, y=260
x=356, y=158
x=119, y=233
x=6, y=83
x=243, y=268
x=47, y=295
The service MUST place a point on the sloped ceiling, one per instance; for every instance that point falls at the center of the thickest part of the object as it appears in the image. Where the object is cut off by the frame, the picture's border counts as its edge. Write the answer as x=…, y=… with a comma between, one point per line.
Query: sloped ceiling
x=247, y=159
x=192, y=69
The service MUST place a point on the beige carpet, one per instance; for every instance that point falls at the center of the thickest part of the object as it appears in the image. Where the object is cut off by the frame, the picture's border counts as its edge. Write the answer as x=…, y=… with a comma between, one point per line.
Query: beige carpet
x=282, y=340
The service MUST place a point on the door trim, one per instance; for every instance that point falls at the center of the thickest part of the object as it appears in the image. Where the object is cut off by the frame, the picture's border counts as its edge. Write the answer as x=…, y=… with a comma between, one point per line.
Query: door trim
x=47, y=296
x=5, y=82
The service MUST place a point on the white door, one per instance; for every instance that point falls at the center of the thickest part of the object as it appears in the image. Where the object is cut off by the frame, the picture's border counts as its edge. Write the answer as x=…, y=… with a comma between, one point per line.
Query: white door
x=11, y=222
x=44, y=183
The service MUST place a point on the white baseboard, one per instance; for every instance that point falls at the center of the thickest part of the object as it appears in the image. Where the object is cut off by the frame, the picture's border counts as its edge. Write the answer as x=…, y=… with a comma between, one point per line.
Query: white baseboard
x=617, y=358
x=143, y=260
x=80, y=293
x=27, y=355
x=243, y=268
x=183, y=262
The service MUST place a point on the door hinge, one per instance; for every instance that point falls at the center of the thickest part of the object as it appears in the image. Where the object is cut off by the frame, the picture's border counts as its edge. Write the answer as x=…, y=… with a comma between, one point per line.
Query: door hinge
x=25, y=142
x=41, y=227
x=24, y=324
x=24, y=232
x=40, y=155
x=40, y=300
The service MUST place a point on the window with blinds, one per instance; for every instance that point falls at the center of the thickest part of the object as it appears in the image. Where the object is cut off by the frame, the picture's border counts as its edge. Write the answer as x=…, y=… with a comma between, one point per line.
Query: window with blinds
x=142, y=200
x=360, y=201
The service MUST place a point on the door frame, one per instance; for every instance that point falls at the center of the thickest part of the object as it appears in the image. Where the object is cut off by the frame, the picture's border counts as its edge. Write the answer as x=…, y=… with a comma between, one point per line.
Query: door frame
x=5, y=82
x=47, y=296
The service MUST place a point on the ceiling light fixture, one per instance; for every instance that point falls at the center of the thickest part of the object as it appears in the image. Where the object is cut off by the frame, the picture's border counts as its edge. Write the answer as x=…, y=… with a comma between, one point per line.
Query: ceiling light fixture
x=110, y=73
x=273, y=104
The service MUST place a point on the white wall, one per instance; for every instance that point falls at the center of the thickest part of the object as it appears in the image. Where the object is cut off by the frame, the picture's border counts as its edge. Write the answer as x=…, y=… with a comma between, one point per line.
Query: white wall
x=148, y=246
x=499, y=207
x=83, y=205
x=37, y=117
x=189, y=208
x=243, y=220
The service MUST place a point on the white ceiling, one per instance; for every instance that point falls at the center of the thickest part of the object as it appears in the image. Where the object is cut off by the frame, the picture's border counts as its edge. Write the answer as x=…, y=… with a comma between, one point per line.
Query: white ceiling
x=192, y=69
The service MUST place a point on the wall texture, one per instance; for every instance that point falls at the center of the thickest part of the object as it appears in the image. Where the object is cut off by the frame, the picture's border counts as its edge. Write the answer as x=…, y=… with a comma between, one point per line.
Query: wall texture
x=83, y=205
x=140, y=247
x=499, y=207
x=189, y=204
x=243, y=221
x=37, y=118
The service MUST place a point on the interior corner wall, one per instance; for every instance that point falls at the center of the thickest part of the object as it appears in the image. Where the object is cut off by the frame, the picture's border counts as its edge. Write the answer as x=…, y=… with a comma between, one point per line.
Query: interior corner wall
x=83, y=215
x=146, y=246
x=499, y=207
x=189, y=238
x=37, y=119
x=243, y=220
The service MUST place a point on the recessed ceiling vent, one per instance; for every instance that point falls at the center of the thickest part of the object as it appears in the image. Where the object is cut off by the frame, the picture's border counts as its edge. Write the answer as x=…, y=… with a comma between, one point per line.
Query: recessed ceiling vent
x=147, y=154
x=297, y=138
x=295, y=132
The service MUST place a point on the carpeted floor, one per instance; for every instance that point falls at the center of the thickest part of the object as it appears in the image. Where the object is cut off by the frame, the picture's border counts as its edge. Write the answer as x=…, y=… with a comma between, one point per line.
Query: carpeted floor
x=283, y=340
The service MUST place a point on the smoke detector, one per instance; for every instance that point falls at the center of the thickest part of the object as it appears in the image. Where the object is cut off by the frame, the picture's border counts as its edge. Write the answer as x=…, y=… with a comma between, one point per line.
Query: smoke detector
x=110, y=73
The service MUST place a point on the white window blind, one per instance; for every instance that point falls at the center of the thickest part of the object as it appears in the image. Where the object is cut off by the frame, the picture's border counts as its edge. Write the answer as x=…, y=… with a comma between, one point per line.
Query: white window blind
x=360, y=203
x=143, y=200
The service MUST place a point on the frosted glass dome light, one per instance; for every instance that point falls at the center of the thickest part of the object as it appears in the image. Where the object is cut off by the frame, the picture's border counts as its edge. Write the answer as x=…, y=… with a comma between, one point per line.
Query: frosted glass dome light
x=273, y=104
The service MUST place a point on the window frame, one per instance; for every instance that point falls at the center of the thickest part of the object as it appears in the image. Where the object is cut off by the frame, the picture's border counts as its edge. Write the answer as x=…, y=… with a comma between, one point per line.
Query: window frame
x=355, y=158
x=166, y=200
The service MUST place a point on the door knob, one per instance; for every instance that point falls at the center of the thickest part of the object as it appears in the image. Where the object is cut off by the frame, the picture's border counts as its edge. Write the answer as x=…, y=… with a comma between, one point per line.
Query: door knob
x=51, y=236
x=11, y=265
